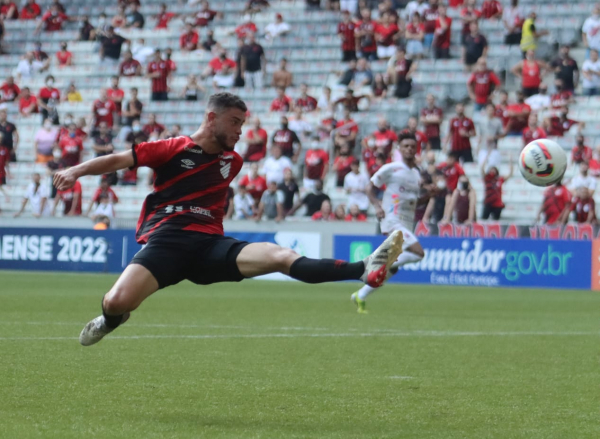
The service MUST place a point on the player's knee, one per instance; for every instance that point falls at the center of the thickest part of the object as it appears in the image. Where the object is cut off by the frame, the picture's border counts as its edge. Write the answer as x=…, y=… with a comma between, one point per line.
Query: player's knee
x=420, y=252
x=282, y=258
x=118, y=301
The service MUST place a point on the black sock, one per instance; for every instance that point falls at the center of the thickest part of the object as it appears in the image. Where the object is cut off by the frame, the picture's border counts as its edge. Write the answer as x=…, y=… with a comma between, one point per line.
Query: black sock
x=111, y=321
x=314, y=271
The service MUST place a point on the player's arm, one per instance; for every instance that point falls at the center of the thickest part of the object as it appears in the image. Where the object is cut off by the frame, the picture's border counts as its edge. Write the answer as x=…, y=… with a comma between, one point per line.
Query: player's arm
x=22, y=209
x=55, y=205
x=517, y=69
x=98, y=166
x=372, y=194
x=449, y=207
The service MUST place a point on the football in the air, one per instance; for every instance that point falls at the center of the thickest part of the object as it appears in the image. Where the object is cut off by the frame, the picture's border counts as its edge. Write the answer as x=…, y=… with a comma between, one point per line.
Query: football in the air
x=543, y=162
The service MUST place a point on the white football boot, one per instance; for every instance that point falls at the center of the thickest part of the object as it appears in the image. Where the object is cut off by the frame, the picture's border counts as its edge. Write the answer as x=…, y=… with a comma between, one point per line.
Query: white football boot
x=379, y=263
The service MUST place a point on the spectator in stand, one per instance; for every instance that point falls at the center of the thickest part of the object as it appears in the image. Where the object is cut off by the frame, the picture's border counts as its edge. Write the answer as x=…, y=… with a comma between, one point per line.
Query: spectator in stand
x=63, y=56
x=342, y=164
x=468, y=15
x=170, y=133
x=590, y=32
x=30, y=10
x=282, y=103
x=325, y=103
x=346, y=31
x=312, y=200
x=119, y=21
x=595, y=163
x=460, y=132
x=443, y=34
x=116, y=94
x=253, y=63
x=141, y=52
x=168, y=53
x=132, y=110
x=362, y=75
x=28, y=67
x=430, y=17
x=482, y=83
x=517, y=115
x=71, y=199
x=316, y=165
x=387, y=34
x=559, y=125
x=103, y=110
x=245, y=29
x=135, y=20
x=491, y=9
x=49, y=98
x=462, y=204
x=28, y=103
x=590, y=71
x=436, y=206
x=130, y=66
x=192, y=90
x=188, y=41
x=256, y=141
x=415, y=7
x=431, y=118
x=44, y=142
x=347, y=76
x=346, y=131
x=400, y=71
x=561, y=97
x=290, y=191
x=277, y=29
x=163, y=18
x=275, y=164
x=583, y=179
x=153, y=129
x=354, y=214
x=256, y=6
x=492, y=202
x=135, y=137
x=356, y=185
x=379, y=87
x=530, y=34
x=325, y=213
x=583, y=207
x=381, y=141
x=216, y=64
x=282, y=77
x=512, y=18
x=40, y=55
x=366, y=41
x=255, y=184
x=158, y=70
x=104, y=190
x=9, y=91
x=37, y=195
x=566, y=69
x=271, y=203
x=539, y=101
x=205, y=15
x=71, y=146
x=420, y=136
x=580, y=152
x=10, y=136
x=350, y=101
x=103, y=142
x=300, y=125
x=556, y=205
x=287, y=140
x=530, y=71
x=52, y=20
x=414, y=35
x=102, y=27
x=104, y=211
x=452, y=170
x=475, y=46
x=210, y=44
x=87, y=31
x=110, y=47
x=533, y=131
x=305, y=102
x=243, y=204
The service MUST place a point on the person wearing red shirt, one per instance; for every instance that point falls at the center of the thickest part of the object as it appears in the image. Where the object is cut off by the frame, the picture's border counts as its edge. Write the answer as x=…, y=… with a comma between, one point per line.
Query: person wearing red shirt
x=63, y=56
x=380, y=141
x=530, y=71
x=355, y=215
x=460, y=132
x=431, y=118
x=346, y=131
x=491, y=9
x=518, y=115
x=325, y=214
x=562, y=97
x=556, y=205
x=387, y=33
x=205, y=15
x=452, y=171
x=533, y=131
x=163, y=17
x=287, y=140
x=481, y=84
x=245, y=29
x=216, y=64
x=281, y=103
x=316, y=165
x=414, y=35
x=188, y=41
x=580, y=153
x=583, y=206
x=342, y=165
x=103, y=110
x=306, y=102
x=420, y=136
x=115, y=94
x=31, y=10
x=346, y=30
x=158, y=70
x=49, y=97
x=255, y=184
x=366, y=42
x=559, y=125
x=430, y=17
x=71, y=146
x=130, y=66
x=153, y=129
x=9, y=10
x=103, y=190
x=492, y=203
x=28, y=103
x=9, y=91
x=172, y=65
x=256, y=139
x=53, y=20
x=469, y=14
x=501, y=112
x=4, y=161
x=443, y=34
x=72, y=200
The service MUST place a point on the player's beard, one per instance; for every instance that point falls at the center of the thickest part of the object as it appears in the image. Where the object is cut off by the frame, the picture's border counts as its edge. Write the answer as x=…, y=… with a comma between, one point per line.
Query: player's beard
x=222, y=140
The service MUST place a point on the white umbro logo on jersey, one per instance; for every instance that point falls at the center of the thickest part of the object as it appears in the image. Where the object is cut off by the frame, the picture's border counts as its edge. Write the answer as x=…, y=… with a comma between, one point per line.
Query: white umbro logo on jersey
x=225, y=170
x=187, y=163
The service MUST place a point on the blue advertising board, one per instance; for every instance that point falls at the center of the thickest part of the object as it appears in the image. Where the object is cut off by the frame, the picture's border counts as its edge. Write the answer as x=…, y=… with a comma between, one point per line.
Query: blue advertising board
x=486, y=262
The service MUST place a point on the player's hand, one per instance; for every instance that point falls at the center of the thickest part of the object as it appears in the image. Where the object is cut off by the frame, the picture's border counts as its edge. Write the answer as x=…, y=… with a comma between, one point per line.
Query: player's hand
x=380, y=213
x=64, y=180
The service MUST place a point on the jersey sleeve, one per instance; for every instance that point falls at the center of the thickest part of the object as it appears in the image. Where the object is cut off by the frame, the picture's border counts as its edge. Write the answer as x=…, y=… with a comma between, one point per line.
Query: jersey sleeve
x=381, y=177
x=156, y=153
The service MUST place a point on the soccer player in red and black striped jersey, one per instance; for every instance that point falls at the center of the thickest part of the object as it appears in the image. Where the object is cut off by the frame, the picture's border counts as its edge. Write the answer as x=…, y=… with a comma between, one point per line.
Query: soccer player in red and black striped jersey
x=181, y=221
x=159, y=70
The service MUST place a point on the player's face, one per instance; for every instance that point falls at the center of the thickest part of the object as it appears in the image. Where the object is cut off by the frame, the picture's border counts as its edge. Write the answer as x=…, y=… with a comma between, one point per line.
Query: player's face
x=408, y=149
x=228, y=128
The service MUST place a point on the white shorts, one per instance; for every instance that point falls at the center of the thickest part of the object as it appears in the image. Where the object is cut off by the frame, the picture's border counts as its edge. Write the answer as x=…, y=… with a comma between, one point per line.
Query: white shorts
x=386, y=52
x=388, y=227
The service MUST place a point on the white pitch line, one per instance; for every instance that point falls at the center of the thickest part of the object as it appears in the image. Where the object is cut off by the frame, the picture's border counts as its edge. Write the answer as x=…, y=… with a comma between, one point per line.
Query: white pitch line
x=323, y=335
x=166, y=325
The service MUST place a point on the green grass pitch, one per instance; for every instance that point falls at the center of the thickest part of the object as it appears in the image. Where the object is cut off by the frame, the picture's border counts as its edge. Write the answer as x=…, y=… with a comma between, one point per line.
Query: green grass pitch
x=286, y=360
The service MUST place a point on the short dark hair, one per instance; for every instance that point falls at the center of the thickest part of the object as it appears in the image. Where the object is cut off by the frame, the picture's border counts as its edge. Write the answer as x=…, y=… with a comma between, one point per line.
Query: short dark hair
x=405, y=135
x=220, y=102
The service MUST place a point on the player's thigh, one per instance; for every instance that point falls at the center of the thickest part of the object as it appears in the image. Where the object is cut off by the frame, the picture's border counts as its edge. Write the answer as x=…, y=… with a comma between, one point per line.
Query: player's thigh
x=263, y=258
x=411, y=243
x=134, y=285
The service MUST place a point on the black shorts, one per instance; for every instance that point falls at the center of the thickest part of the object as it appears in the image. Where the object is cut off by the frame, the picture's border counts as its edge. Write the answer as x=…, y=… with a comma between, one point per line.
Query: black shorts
x=435, y=143
x=198, y=257
x=464, y=156
x=494, y=212
x=348, y=55
x=530, y=91
x=159, y=96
